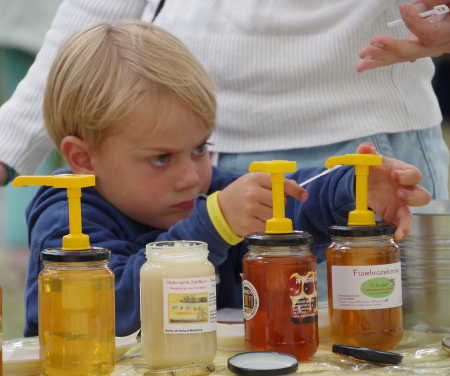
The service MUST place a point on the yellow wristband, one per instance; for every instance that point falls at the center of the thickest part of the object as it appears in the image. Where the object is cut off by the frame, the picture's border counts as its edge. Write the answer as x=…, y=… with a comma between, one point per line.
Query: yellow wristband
x=219, y=222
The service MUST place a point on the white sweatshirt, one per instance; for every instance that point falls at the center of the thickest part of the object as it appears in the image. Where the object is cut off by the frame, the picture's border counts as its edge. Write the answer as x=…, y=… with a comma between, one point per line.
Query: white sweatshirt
x=284, y=71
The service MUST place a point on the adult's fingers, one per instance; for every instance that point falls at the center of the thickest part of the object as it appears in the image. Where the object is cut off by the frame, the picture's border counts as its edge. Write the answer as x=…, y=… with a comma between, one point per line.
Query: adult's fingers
x=406, y=174
x=404, y=218
x=366, y=148
x=428, y=4
x=415, y=196
x=429, y=33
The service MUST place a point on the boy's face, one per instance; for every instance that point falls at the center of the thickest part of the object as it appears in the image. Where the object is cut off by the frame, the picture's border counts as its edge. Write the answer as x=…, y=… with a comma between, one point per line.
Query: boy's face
x=154, y=163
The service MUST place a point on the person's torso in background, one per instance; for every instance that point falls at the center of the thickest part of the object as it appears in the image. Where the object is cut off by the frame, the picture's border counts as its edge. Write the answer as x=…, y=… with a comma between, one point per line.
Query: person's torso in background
x=291, y=64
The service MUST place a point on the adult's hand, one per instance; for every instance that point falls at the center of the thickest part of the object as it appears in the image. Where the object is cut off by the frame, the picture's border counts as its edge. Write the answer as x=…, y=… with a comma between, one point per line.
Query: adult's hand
x=393, y=187
x=3, y=173
x=430, y=37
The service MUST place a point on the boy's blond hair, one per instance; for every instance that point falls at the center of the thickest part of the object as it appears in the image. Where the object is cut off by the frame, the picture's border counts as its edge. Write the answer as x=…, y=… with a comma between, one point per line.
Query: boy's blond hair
x=101, y=73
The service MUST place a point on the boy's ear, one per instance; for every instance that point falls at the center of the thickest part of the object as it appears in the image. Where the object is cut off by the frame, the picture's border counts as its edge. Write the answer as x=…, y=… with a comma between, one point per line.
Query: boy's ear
x=76, y=152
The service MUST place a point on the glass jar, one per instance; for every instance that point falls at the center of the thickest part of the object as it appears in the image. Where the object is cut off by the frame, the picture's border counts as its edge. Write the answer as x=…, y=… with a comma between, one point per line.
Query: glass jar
x=280, y=294
x=178, y=306
x=76, y=313
x=1, y=331
x=364, y=287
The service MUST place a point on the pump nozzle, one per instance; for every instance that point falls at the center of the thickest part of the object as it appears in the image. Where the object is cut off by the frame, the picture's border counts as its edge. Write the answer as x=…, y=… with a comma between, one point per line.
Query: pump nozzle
x=361, y=216
x=278, y=224
x=75, y=240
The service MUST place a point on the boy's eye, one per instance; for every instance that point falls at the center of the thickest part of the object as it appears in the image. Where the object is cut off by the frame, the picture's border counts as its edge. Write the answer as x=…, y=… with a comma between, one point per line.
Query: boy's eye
x=160, y=160
x=201, y=150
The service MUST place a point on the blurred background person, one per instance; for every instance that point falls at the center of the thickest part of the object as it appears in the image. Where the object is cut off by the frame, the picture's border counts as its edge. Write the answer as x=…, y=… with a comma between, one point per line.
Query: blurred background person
x=23, y=25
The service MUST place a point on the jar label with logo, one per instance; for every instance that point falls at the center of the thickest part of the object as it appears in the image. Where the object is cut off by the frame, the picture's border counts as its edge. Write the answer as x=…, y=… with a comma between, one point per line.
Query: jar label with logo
x=189, y=305
x=303, y=296
x=367, y=287
x=250, y=299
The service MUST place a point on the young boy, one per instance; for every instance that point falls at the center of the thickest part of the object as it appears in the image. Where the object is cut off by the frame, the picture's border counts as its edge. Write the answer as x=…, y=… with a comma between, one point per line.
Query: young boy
x=128, y=103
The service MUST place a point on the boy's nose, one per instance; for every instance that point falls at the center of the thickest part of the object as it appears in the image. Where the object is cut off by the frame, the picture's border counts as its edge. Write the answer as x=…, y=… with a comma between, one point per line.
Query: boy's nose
x=187, y=177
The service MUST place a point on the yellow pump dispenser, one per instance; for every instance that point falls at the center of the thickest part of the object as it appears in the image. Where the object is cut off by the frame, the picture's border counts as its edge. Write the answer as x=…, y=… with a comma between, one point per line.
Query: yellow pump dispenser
x=278, y=224
x=364, y=271
x=75, y=294
x=279, y=270
x=361, y=216
x=75, y=240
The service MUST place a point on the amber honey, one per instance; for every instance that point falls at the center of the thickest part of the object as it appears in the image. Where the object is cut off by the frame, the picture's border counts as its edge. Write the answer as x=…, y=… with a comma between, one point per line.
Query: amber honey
x=76, y=319
x=280, y=300
x=375, y=257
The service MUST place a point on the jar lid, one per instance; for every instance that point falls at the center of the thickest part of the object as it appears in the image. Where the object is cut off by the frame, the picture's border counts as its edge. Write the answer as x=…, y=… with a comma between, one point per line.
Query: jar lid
x=59, y=255
x=362, y=231
x=296, y=238
x=262, y=363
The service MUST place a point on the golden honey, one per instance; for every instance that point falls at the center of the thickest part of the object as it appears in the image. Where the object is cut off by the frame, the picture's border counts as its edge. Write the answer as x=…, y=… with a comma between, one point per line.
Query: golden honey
x=366, y=309
x=76, y=318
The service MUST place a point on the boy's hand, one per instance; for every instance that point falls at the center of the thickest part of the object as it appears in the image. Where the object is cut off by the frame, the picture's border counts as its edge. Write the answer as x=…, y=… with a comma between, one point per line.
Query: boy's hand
x=246, y=203
x=393, y=186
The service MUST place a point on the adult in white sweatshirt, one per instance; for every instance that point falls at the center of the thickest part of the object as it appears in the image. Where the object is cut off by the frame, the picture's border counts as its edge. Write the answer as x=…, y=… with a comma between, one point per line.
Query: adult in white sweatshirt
x=286, y=80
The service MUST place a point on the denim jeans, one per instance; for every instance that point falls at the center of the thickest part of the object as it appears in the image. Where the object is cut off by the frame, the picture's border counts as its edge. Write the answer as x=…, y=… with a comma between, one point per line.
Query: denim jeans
x=424, y=149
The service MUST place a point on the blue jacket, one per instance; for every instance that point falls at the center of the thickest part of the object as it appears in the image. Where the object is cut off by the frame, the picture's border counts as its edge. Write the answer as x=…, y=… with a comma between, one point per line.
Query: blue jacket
x=330, y=199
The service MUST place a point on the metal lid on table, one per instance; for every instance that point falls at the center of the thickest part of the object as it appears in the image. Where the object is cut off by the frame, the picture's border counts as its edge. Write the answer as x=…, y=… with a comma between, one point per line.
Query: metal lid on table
x=262, y=363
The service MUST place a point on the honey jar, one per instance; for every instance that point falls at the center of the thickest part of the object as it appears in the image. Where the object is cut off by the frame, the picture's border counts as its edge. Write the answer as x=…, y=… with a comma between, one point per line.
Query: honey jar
x=76, y=313
x=280, y=279
x=75, y=294
x=364, y=287
x=178, y=308
x=364, y=271
x=280, y=294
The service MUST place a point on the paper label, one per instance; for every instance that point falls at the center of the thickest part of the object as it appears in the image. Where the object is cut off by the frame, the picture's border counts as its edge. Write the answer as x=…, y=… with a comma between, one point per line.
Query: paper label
x=250, y=300
x=367, y=287
x=303, y=296
x=189, y=305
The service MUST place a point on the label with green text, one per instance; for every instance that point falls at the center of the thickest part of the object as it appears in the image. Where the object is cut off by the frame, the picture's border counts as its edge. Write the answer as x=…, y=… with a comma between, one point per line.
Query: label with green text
x=367, y=287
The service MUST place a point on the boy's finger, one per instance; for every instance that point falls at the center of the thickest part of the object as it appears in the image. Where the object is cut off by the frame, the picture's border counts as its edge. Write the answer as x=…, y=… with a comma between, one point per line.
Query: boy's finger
x=291, y=188
x=263, y=213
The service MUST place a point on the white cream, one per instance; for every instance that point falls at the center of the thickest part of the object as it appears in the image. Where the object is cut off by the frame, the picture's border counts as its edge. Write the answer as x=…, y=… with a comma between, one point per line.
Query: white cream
x=178, y=305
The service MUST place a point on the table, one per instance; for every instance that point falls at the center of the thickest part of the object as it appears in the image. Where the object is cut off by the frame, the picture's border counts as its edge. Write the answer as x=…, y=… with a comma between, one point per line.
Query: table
x=423, y=355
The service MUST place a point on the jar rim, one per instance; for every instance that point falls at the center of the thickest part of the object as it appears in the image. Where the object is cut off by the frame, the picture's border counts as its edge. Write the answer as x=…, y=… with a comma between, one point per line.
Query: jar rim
x=362, y=231
x=60, y=255
x=177, y=249
x=293, y=239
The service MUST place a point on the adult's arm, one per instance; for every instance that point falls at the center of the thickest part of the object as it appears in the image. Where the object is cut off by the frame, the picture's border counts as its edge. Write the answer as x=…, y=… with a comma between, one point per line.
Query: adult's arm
x=427, y=38
x=24, y=142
